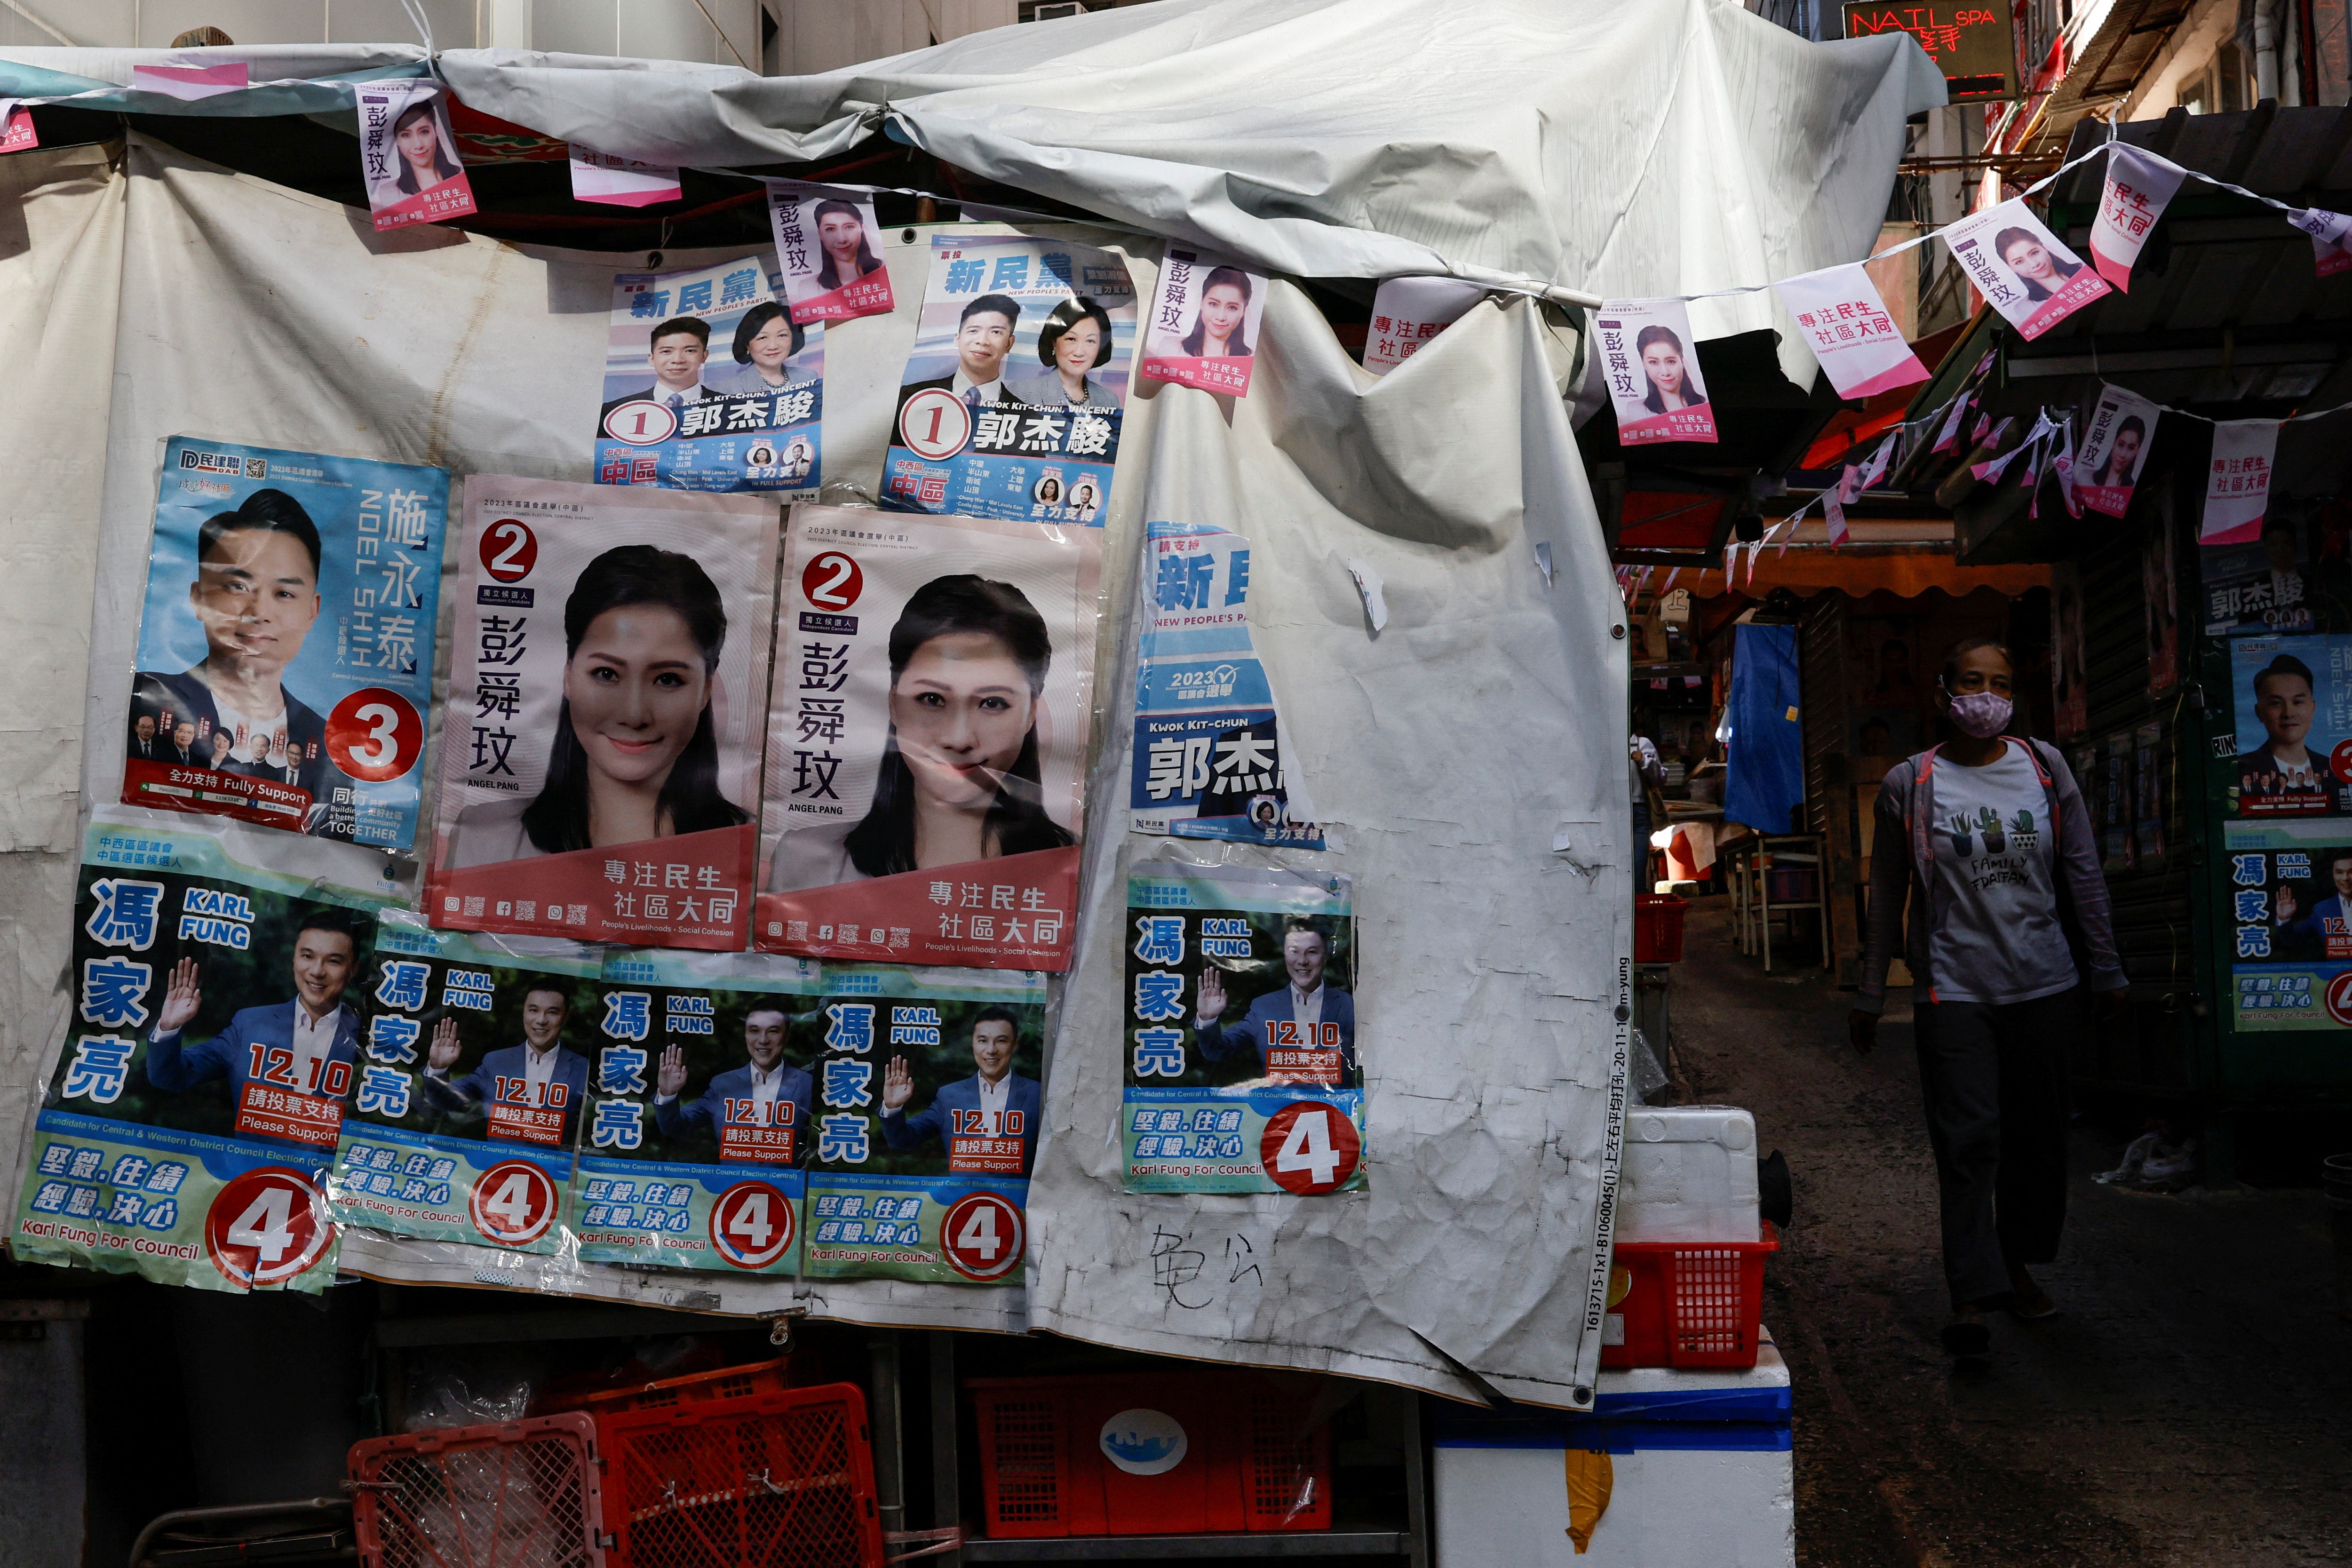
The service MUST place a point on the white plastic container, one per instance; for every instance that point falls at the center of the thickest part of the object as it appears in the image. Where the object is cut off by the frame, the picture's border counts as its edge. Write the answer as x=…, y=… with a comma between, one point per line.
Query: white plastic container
x=1688, y=1174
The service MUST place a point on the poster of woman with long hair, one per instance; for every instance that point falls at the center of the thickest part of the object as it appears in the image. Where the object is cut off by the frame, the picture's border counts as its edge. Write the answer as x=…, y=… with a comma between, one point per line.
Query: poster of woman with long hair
x=408, y=154
x=927, y=735
x=599, y=770
x=829, y=251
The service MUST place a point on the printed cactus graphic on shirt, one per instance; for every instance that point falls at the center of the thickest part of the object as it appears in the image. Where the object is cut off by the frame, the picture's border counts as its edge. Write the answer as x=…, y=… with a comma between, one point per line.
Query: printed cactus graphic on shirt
x=1989, y=825
x=2021, y=831
x=1959, y=829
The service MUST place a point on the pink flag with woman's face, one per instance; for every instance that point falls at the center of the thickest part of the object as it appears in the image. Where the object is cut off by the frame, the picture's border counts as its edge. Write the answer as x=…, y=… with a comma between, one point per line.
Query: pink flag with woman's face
x=1850, y=330
x=2021, y=268
x=2115, y=446
x=1204, y=325
x=829, y=251
x=408, y=155
x=2138, y=186
x=1649, y=361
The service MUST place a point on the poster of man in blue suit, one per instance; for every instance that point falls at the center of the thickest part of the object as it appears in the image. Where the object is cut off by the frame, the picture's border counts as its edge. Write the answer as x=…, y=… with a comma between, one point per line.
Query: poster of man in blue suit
x=987, y=1121
x=759, y=1112
x=288, y=1066
x=531, y=1093
x=1300, y=1032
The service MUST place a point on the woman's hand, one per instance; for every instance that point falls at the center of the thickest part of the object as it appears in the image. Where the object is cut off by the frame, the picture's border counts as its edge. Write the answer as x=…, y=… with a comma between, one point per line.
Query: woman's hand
x=1862, y=1029
x=181, y=1002
x=1212, y=1002
x=897, y=1086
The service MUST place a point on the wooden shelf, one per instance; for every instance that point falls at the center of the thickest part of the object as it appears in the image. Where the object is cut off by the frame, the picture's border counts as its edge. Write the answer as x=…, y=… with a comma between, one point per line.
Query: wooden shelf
x=1134, y=1547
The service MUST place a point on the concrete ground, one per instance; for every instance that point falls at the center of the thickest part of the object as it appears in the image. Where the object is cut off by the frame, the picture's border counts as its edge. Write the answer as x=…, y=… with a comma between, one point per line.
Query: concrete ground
x=2191, y=1405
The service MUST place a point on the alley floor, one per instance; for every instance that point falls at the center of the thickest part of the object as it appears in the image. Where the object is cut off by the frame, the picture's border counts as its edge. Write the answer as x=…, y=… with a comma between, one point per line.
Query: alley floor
x=2191, y=1405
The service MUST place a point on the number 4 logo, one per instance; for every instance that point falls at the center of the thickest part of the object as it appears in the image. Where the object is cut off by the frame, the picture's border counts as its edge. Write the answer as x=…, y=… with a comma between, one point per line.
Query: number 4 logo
x=266, y=1227
x=513, y=1202
x=1309, y=1148
x=751, y=1224
x=983, y=1235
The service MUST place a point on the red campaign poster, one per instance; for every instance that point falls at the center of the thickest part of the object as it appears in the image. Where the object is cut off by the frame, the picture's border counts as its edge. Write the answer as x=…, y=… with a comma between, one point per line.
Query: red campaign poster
x=927, y=739
x=600, y=760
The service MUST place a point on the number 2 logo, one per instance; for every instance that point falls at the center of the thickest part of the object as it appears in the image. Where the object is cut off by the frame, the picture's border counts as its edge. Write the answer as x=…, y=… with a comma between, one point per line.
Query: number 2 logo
x=832, y=581
x=509, y=549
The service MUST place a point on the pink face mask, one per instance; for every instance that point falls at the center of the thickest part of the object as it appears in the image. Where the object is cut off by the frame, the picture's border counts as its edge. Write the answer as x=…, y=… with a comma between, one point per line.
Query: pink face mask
x=1983, y=714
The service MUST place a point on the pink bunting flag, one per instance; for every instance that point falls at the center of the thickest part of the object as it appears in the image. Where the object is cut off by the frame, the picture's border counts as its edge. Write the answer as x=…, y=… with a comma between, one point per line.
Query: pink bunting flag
x=2139, y=185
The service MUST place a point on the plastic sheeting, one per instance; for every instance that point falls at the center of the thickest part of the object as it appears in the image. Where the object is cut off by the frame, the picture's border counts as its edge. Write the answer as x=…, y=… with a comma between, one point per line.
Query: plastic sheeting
x=1466, y=753
x=1765, y=751
x=1673, y=148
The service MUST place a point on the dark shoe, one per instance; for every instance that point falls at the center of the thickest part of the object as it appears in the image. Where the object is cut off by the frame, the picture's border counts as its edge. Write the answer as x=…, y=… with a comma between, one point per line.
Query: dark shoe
x=1966, y=1335
x=2029, y=1302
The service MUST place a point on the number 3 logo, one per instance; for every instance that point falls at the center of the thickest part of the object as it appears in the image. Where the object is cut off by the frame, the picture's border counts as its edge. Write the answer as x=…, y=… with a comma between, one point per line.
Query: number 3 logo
x=375, y=734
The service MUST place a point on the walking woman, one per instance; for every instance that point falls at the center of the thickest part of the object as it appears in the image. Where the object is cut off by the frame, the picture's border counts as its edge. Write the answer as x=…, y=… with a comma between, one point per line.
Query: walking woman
x=2008, y=926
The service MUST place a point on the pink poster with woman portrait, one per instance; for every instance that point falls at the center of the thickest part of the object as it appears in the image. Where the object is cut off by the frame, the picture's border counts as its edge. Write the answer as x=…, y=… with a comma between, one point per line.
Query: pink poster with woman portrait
x=927, y=739
x=829, y=251
x=600, y=731
x=409, y=155
x=1204, y=324
x=1650, y=362
x=2021, y=267
x=2114, y=447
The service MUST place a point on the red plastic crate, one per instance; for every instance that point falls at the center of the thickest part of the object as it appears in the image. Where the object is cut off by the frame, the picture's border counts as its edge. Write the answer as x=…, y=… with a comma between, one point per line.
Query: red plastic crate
x=1687, y=1303
x=1200, y=1452
x=697, y=1388
x=1658, y=927
x=770, y=1480
x=524, y=1494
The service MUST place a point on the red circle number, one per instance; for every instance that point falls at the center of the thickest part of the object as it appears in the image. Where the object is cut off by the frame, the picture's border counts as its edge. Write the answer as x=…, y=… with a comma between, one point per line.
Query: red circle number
x=513, y=1203
x=934, y=423
x=2339, y=998
x=641, y=421
x=751, y=1224
x=1310, y=1147
x=266, y=1227
x=375, y=734
x=832, y=581
x=509, y=549
x=981, y=1236
x=2339, y=762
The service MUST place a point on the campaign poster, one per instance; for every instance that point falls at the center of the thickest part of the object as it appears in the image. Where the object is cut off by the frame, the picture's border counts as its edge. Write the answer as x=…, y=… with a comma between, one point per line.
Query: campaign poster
x=18, y=133
x=2148, y=794
x=2331, y=238
x=1011, y=400
x=2290, y=888
x=2070, y=659
x=217, y=1014
x=2237, y=481
x=927, y=739
x=709, y=384
x=600, y=758
x=472, y=1084
x=2263, y=589
x=2117, y=798
x=1204, y=326
x=2159, y=593
x=1211, y=759
x=929, y=1103
x=1649, y=361
x=700, y=1114
x=1241, y=1073
x=607, y=181
x=2115, y=448
x=2021, y=269
x=1847, y=325
x=409, y=155
x=1407, y=313
x=2138, y=187
x=829, y=251
x=2292, y=703
x=284, y=661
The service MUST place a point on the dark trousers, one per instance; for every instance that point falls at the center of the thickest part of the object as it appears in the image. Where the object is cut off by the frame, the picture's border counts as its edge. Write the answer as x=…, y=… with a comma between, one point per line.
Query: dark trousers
x=1994, y=1079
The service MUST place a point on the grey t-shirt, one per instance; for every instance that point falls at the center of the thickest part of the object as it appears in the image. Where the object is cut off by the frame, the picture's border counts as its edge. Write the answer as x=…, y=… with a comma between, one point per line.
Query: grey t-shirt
x=1999, y=939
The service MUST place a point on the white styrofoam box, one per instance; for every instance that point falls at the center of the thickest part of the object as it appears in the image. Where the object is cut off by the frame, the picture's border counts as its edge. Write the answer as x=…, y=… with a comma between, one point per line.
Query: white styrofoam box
x=1701, y=1476
x=1688, y=1174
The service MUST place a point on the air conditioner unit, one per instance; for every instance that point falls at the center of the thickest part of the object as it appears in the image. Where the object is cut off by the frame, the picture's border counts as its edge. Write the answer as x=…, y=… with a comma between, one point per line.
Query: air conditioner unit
x=1046, y=10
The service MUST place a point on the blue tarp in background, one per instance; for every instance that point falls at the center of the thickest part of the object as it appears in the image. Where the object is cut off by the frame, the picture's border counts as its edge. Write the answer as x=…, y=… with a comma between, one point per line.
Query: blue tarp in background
x=1764, y=750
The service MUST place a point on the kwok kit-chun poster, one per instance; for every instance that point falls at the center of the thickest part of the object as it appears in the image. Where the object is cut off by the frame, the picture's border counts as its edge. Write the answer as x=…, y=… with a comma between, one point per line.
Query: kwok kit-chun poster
x=471, y=1089
x=286, y=643
x=927, y=739
x=700, y=1117
x=600, y=760
x=1239, y=1045
x=929, y=1103
x=215, y=1037
x=710, y=384
x=1013, y=398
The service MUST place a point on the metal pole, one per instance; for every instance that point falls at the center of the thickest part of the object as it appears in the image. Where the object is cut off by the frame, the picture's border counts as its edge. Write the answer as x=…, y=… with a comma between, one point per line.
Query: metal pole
x=946, y=1496
x=889, y=1458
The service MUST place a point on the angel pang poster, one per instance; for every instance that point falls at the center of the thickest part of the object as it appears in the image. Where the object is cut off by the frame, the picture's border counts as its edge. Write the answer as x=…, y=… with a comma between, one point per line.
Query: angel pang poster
x=1013, y=400
x=927, y=739
x=600, y=757
x=408, y=154
x=701, y=1114
x=929, y=1103
x=1204, y=323
x=1650, y=362
x=212, y=1045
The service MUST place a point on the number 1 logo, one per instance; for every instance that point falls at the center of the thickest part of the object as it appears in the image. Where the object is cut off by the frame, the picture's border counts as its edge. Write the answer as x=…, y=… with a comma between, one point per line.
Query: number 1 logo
x=751, y=1224
x=266, y=1227
x=1309, y=1148
x=513, y=1203
x=983, y=1235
